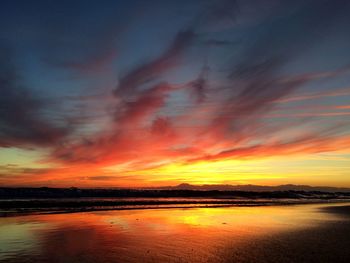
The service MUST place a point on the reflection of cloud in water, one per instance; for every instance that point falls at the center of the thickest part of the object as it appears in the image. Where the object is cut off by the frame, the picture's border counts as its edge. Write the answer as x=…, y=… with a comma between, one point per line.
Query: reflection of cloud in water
x=18, y=235
x=154, y=235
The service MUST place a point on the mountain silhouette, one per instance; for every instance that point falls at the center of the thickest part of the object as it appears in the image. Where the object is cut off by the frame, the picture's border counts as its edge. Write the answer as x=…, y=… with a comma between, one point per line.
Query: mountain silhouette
x=253, y=188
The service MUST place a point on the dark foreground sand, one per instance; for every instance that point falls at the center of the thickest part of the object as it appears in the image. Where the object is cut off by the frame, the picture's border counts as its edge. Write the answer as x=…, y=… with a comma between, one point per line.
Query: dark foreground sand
x=329, y=242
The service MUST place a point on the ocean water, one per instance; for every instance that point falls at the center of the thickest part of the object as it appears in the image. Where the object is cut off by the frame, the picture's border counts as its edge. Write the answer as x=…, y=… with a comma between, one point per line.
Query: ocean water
x=150, y=235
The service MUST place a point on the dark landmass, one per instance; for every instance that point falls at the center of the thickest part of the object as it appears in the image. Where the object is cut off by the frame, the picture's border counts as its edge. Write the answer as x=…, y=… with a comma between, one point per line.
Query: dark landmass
x=53, y=200
x=246, y=191
x=254, y=188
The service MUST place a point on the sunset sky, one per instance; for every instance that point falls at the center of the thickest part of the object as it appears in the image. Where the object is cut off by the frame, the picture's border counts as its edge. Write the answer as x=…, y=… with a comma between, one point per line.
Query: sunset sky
x=162, y=92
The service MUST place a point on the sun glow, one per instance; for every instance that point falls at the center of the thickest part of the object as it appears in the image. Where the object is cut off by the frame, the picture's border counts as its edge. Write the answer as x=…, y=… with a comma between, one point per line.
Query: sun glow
x=213, y=172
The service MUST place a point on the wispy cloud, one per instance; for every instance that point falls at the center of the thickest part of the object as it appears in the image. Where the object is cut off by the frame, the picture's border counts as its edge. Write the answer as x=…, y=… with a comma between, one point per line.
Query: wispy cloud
x=220, y=89
x=21, y=120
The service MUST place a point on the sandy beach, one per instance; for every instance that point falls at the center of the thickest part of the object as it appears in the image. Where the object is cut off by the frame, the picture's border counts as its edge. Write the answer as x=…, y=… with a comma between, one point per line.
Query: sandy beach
x=278, y=233
x=327, y=242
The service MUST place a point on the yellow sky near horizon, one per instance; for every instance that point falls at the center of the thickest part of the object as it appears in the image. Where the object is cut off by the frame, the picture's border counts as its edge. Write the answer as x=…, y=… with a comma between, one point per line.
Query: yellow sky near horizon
x=25, y=167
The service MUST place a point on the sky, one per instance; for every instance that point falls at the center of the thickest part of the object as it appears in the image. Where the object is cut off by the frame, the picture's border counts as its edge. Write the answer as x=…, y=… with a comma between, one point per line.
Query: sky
x=162, y=92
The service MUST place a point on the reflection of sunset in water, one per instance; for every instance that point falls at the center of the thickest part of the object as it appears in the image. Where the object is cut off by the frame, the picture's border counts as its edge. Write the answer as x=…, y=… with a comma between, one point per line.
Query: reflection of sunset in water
x=159, y=235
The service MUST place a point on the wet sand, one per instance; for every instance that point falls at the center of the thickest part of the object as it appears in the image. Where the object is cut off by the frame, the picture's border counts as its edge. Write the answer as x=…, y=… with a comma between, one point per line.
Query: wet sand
x=328, y=242
x=295, y=233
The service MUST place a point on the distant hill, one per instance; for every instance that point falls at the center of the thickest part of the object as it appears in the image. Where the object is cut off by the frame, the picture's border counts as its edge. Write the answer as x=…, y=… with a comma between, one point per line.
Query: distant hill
x=253, y=188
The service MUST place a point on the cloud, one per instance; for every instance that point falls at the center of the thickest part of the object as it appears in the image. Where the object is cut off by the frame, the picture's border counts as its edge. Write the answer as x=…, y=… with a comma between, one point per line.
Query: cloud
x=164, y=111
x=234, y=119
x=217, y=16
x=200, y=84
x=304, y=145
x=102, y=178
x=80, y=43
x=316, y=95
x=256, y=78
x=145, y=104
x=219, y=43
x=162, y=127
x=158, y=66
x=21, y=120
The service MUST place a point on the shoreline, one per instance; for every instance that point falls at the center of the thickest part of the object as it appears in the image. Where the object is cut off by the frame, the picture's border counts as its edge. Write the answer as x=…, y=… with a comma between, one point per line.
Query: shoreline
x=10, y=208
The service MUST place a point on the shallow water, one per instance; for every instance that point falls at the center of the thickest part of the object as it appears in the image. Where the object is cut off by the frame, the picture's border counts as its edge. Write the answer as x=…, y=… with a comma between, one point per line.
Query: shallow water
x=149, y=235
